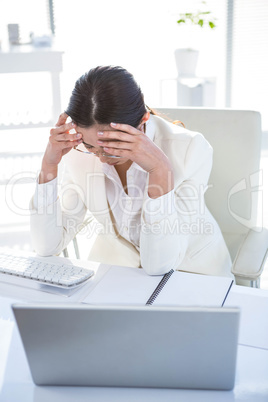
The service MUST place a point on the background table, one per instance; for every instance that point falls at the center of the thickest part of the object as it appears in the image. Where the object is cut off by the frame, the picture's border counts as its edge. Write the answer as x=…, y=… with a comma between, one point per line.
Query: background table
x=29, y=59
x=188, y=91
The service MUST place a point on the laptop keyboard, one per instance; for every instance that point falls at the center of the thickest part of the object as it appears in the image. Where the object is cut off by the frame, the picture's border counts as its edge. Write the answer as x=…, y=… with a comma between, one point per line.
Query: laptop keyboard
x=61, y=275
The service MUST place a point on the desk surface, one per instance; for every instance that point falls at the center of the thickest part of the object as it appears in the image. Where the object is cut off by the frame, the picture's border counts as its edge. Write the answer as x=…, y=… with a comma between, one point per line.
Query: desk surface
x=252, y=364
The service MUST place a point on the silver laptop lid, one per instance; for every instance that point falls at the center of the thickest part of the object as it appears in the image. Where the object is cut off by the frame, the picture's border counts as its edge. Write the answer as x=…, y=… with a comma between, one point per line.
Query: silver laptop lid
x=145, y=346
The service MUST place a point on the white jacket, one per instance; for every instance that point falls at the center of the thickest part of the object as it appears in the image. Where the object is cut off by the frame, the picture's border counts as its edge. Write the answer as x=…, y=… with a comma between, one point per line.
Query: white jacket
x=186, y=237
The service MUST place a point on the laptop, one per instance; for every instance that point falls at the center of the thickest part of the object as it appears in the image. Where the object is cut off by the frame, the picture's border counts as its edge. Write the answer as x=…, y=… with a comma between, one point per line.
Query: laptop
x=129, y=346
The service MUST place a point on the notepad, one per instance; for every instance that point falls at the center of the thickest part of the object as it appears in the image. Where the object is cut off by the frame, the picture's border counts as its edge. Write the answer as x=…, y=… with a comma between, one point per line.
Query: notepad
x=132, y=286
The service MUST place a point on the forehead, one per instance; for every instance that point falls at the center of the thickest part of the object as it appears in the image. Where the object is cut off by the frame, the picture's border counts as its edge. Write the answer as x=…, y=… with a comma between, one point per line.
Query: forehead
x=92, y=130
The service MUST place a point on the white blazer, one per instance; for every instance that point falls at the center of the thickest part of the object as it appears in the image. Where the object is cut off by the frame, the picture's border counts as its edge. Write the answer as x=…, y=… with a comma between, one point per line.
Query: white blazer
x=188, y=238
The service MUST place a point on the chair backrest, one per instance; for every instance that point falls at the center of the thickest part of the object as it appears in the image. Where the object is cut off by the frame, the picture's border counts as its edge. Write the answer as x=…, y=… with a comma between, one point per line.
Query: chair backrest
x=235, y=136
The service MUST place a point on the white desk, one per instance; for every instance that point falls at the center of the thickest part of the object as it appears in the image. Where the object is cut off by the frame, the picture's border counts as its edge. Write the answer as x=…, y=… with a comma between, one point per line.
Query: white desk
x=252, y=364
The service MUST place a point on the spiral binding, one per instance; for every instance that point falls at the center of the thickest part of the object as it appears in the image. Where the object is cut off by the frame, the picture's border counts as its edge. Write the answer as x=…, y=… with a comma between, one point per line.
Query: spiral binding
x=159, y=287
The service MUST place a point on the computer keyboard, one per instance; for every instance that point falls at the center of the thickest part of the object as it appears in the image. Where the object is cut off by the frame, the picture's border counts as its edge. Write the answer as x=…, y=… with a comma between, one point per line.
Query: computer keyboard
x=65, y=276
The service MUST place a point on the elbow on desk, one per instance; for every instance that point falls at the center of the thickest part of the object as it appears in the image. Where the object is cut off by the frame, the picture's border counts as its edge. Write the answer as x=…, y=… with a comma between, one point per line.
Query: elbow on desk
x=46, y=241
x=46, y=250
x=154, y=272
x=43, y=252
x=157, y=269
x=160, y=264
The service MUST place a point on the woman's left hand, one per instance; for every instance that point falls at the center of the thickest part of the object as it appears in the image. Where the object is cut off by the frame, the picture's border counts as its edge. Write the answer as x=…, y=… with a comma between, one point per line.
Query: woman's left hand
x=131, y=143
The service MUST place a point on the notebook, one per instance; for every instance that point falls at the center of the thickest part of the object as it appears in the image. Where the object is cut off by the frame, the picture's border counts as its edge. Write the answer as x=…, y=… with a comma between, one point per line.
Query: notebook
x=132, y=286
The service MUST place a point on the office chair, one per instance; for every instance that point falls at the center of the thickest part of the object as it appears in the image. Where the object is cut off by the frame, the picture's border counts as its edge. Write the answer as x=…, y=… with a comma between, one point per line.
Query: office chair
x=234, y=192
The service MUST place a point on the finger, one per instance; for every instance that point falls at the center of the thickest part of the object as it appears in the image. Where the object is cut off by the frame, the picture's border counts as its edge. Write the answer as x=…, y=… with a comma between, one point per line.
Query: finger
x=68, y=137
x=62, y=119
x=66, y=143
x=69, y=144
x=115, y=144
x=62, y=129
x=116, y=136
x=127, y=128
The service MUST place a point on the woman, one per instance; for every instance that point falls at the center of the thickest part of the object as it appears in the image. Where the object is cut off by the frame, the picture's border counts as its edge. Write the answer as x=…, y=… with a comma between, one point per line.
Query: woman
x=141, y=178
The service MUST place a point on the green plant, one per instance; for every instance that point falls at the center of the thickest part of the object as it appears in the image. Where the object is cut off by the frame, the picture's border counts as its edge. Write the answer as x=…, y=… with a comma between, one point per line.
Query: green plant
x=201, y=18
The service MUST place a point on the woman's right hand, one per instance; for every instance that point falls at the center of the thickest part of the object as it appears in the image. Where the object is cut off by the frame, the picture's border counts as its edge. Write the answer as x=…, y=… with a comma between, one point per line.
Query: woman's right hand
x=60, y=143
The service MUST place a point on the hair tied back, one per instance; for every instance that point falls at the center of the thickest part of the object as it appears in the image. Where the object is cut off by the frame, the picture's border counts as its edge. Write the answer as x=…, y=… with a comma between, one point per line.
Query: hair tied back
x=179, y=123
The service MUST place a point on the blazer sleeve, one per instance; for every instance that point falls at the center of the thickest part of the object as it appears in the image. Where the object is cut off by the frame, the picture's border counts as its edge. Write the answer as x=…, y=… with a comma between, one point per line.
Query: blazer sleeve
x=165, y=234
x=54, y=226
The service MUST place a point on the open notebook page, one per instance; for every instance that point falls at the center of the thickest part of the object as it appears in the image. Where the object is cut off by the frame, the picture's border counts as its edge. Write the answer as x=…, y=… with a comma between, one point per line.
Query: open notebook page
x=185, y=289
x=124, y=285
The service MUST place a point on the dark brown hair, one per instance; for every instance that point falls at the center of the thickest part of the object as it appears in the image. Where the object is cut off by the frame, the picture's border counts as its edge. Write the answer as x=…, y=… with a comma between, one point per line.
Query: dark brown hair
x=106, y=94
